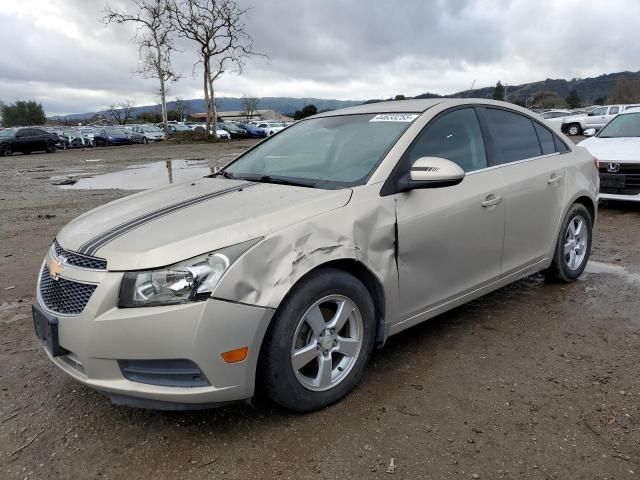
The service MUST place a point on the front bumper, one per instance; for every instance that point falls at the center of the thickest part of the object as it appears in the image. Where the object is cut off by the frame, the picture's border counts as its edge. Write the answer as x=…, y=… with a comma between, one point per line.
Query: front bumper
x=613, y=196
x=102, y=335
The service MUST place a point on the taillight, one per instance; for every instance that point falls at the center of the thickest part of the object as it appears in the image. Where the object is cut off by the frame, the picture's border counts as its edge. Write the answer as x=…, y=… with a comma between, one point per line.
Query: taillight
x=596, y=162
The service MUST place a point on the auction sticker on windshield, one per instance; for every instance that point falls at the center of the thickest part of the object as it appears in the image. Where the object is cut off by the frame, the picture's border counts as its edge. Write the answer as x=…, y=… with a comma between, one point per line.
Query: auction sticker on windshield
x=395, y=117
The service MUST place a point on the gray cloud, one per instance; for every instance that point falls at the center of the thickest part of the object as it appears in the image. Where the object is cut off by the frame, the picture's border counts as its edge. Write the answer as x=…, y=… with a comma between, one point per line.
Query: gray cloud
x=59, y=53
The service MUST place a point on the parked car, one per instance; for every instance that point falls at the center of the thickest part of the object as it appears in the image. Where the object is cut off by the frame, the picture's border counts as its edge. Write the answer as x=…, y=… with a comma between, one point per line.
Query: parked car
x=287, y=266
x=617, y=147
x=253, y=131
x=89, y=132
x=234, y=130
x=222, y=134
x=150, y=133
x=271, y=127
x=596, y=119
x=173, y=128
x=74, y=138
x=136, y=137
x=108, y=136
x=27, y=140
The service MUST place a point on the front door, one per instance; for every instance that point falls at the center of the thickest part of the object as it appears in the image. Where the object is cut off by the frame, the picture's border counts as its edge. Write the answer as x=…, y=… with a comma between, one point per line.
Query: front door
x=450, y=239
x=597, y=118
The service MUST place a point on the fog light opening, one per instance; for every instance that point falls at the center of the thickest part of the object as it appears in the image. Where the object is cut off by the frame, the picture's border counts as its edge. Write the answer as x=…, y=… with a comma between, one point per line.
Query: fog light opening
x=236, y=355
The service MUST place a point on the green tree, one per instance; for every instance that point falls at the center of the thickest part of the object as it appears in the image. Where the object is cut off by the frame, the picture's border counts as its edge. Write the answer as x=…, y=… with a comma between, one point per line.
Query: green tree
x=174, y=116
x=498, y=91
x=306, y=111
x=400, y=97
x=573, y=100
x=600, y=101
x=149, y=117
x=23, y=114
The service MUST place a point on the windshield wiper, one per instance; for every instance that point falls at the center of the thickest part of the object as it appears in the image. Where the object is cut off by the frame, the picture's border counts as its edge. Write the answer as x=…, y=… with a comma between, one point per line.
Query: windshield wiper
x=223, y=173
x=283, y=181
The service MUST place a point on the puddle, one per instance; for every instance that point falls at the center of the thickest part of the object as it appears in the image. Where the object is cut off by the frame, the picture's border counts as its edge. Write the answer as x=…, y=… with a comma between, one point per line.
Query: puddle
x=145, y=176
x=611, y=269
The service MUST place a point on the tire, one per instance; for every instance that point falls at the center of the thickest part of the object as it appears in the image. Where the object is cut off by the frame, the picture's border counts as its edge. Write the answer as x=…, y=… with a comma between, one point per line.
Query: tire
x=574, y=129
x=5, y=150
x=26, y=152
x=303, y=388
x=566, y=267
x=145, y=140
x=51, y=147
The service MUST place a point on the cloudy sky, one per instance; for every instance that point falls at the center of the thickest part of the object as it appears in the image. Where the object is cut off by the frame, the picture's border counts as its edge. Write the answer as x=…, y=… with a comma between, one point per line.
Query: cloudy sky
x=59, y=53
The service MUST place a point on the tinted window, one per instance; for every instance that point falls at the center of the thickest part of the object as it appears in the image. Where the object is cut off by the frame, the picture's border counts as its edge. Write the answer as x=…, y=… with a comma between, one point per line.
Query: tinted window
x=26, y=132
x=455, y=136
x=561, y=147
x=546, y=139
x=513, y=135
x=614, y=110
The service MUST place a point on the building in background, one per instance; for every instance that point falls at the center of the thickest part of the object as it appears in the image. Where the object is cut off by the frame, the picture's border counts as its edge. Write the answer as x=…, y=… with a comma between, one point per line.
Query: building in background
x=241, y=116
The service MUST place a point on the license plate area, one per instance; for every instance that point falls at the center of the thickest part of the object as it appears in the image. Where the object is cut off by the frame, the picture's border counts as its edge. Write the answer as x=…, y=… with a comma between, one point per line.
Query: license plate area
x=46, y=327
x=608, y=180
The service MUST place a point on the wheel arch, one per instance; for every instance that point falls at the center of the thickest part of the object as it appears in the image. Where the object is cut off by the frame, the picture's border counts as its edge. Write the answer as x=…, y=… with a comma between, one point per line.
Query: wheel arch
x=360, y=271
x=588, y=203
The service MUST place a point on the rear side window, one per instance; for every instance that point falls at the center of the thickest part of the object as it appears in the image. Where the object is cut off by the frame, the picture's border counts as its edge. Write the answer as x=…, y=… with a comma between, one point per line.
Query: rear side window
x=455, y=136
x=546, y=139
x=614, y=110
x=514, y=136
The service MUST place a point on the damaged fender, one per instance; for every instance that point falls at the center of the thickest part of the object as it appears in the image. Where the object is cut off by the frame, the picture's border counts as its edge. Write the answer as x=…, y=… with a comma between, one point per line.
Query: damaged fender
x=364, y=230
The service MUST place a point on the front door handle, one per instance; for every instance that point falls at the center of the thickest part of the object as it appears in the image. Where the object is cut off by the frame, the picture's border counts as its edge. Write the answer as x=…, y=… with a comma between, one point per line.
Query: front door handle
x=491, y=200
x=554, y=179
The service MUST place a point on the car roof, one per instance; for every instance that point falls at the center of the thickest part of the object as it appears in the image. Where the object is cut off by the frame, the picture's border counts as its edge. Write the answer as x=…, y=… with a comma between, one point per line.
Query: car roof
x=418, y=106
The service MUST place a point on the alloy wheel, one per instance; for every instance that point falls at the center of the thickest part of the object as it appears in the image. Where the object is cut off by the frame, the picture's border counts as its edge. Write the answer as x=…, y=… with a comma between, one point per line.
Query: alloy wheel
x=327, y=343
x=576, y=240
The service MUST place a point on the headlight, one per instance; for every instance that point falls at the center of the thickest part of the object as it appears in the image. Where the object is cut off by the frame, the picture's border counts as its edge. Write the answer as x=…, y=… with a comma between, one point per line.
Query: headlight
x=188, y=281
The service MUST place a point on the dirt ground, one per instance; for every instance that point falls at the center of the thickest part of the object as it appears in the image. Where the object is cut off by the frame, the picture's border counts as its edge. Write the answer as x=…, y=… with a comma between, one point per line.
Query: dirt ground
x=536, y=381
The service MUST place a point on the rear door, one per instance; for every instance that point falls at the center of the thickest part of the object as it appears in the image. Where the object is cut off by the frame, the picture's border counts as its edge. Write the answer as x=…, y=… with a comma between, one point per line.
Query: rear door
x=526, y=154
x=450, y=239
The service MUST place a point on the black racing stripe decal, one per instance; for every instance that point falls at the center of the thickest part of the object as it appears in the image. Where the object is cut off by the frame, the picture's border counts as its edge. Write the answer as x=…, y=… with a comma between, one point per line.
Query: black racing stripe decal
x=91, y=246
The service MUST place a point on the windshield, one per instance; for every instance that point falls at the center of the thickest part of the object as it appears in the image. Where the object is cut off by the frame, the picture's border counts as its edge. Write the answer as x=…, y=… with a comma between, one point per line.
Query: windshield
x=88, y=130
x=151, y=129
x=627, y=125
x=328, y=152
x=10, y=132
x=115, y=131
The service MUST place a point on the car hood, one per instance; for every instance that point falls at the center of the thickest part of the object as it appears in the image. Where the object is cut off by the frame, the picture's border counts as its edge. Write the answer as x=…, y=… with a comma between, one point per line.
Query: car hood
x=614, y=149
x=163, y=226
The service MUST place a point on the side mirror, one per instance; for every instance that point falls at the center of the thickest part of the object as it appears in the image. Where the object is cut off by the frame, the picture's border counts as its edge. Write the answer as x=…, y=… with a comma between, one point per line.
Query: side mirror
x=431, y=172
x=589, y=132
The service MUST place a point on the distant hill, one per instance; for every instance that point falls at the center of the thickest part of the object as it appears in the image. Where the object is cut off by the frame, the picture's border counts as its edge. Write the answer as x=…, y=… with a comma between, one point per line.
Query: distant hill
x=589, y=89
x=279, y=104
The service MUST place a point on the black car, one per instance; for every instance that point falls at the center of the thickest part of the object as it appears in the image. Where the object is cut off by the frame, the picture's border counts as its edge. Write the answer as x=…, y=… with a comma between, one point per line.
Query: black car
x=234, y=130
x=112, y=136
x=27, y=140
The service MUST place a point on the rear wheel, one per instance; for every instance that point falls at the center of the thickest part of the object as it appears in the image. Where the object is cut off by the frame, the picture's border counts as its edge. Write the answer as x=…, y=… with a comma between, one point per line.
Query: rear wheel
x=573, y=246
x=145, y=140
x=574, y=129
x=319, y=342
x=5, y=150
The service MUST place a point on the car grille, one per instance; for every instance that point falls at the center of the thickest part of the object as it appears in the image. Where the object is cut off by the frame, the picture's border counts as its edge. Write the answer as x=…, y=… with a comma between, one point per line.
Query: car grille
x=78, y=260
x=626, y=181
x=64, y=296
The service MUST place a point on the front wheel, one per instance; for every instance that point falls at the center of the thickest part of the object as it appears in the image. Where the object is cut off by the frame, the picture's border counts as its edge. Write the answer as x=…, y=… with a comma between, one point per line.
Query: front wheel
x=573, y=246
x=51, y=147
x=5, y=150
x=574, y=129
x=319, y=342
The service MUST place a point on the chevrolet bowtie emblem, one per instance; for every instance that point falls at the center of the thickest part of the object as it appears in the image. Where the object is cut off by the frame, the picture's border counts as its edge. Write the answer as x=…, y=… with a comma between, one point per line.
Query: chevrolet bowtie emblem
x=55, y=269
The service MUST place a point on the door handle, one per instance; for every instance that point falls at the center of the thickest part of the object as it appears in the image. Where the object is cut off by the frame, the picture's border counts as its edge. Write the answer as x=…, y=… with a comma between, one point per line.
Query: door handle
x=554, y=179
x=491, y=201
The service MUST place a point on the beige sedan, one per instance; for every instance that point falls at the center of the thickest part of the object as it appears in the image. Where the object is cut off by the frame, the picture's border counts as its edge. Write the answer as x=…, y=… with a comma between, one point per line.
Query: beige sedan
x=281, y=272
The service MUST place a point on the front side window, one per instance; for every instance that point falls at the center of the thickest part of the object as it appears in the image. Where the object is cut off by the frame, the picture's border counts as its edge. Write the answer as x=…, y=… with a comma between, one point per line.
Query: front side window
x=599, y=111
x=513, y=135
x=327, y=152
x=455, y=136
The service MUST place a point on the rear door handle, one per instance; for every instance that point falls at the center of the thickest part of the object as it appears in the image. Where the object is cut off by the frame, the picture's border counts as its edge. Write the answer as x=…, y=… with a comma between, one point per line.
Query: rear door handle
x=554, y=179
x=491, y=201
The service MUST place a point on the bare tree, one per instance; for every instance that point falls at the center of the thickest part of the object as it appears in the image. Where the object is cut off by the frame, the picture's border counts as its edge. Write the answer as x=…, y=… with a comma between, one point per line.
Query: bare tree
x=121, y=112
x=250, y=105
x=183, y=108
x=154, y=36
x=217, y=27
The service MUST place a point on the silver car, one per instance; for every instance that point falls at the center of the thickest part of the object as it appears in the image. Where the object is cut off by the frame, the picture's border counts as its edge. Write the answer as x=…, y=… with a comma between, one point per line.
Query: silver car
x=281, y=272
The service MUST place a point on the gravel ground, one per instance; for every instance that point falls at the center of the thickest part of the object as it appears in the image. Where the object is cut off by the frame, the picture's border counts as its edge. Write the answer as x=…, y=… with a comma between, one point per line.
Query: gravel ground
x=533, y=381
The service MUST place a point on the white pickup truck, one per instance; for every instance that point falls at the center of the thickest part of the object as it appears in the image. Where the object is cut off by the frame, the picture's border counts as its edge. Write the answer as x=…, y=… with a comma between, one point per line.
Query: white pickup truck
x=596, y=119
